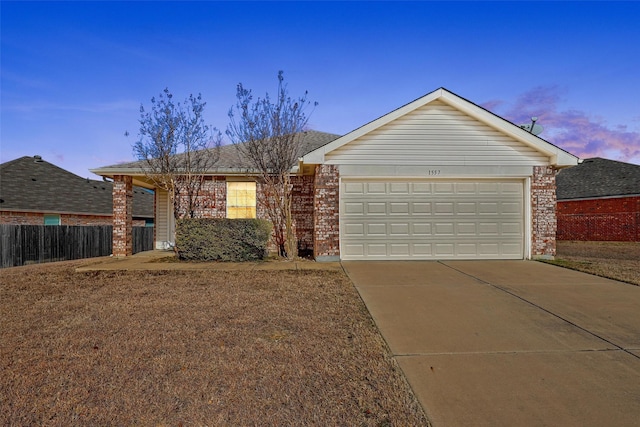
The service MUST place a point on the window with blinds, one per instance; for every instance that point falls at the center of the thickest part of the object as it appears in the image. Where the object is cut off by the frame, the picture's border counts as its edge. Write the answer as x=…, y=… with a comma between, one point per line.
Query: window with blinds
x=241, y=199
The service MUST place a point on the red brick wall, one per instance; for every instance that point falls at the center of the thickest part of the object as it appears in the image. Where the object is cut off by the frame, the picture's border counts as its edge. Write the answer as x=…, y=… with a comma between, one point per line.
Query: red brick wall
x=611, y=219
x=213, y=204
x=326, y=212
x=31, y=218
x=543, y=212
x=302, y=212
x=212, y=201
x=21, y=218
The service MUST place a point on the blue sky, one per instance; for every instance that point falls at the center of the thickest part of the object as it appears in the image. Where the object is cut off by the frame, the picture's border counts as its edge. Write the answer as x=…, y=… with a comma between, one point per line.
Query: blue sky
x=74, y=74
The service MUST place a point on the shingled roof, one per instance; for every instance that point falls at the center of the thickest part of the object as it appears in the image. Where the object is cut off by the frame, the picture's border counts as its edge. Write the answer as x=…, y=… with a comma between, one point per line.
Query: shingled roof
x=30, y=184
x=598, y=177
x=230, y=160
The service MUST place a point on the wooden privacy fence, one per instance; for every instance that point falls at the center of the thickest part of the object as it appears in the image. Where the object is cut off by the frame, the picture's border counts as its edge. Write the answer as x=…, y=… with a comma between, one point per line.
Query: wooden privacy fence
x=31, y=244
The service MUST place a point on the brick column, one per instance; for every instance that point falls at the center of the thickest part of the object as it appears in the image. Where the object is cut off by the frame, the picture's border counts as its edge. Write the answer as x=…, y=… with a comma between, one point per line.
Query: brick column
x=543, y=212
x=326, y=220
x=122, y=215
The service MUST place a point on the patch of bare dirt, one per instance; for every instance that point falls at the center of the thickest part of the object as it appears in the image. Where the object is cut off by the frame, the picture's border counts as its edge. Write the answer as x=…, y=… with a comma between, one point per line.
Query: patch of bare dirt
x=193, y=348
x=615, y=260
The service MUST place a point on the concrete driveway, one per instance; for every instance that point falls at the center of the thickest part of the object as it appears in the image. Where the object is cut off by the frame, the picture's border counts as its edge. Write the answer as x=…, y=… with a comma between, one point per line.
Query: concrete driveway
x=509, y=343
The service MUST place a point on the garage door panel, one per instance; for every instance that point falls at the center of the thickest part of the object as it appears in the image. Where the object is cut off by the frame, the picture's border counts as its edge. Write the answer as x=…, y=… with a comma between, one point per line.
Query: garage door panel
x=399, y=229
x=377, y=229
x=354, y=230
x=399, y=188
x=489, y=188
x=418, y=188
x=468, y=249
x=489, y=249
x=510, y=208
x=465, y=188
x=377, y=249
x=355, y=250
x=443, y=208
x=399, y=208
x=444, y=249
x=399, y=249
x=353, y=188
x=511, y=229
x=401, y=219
x=421, y=208
x=514, y=249
x=489, y=229
x=422, y=249
x=376, y=208
x=444, y=229
x=443, y=187
x=514, y=188
x=421, y=229
x=466, y=208
x=376, y=188
x=467, y=229
x=488, y=208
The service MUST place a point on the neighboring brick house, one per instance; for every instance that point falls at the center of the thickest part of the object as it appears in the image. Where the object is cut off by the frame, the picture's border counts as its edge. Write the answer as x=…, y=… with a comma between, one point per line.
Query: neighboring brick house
x=36, y=192
x=438, y=178
x=599, y=200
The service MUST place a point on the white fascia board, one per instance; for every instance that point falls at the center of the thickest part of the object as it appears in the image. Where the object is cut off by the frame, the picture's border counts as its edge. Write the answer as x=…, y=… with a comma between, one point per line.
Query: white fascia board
x=557, y=156
x=317, y=156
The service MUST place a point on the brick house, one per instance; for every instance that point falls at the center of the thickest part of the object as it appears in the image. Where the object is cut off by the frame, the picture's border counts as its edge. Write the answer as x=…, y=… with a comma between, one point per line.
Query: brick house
x=36, y=192
x=599, y=200
x=438, y=178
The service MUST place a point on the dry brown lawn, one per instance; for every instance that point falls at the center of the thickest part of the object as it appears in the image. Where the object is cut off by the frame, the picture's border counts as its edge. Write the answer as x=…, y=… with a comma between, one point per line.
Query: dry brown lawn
x=193, y=348
x=615, y=260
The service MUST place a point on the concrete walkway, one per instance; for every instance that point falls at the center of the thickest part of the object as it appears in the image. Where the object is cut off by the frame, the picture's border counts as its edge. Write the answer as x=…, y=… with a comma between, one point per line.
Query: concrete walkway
x=509, y=343
x=166, y=260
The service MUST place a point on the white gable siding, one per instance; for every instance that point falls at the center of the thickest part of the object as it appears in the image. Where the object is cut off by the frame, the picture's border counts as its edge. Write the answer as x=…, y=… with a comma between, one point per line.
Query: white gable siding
x=436, y=134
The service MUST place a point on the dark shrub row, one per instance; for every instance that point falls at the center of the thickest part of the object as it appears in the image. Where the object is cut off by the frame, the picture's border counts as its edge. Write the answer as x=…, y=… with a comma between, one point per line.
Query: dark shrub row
x=216, y=239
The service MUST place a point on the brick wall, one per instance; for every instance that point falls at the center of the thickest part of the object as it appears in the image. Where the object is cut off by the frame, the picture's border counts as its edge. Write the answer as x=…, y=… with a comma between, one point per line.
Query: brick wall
x=610, y=219
x=543, y=212
x=21, y=218
x=33, y=218
x=302, y=212
x=212, y=201
x=326, y=212
x=122, y=215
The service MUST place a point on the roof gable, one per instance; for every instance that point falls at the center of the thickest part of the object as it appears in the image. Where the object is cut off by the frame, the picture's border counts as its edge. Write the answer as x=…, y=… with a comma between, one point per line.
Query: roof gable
x=598, y=177
x=532, y=146
x=34, y=185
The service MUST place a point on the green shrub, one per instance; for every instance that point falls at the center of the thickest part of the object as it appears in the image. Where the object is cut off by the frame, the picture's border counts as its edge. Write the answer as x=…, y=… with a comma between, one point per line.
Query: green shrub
x=216, y=239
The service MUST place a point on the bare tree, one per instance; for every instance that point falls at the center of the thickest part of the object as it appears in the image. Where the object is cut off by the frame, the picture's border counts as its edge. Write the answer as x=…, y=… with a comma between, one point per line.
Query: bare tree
x=178, y=147
x=269, y=135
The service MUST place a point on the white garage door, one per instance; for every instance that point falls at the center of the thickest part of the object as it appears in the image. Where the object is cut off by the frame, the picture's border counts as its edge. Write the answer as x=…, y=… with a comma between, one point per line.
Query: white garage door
x=431, y=219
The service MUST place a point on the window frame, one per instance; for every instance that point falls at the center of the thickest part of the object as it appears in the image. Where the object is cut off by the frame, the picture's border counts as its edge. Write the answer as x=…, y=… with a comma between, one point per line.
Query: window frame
x=237, y=208
x=50, y=218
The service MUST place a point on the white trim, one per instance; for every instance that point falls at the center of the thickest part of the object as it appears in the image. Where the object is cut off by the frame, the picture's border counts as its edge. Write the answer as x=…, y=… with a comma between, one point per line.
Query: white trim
x=528, y=218
x=340, y=225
